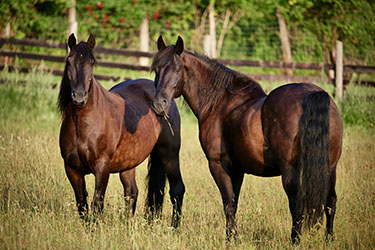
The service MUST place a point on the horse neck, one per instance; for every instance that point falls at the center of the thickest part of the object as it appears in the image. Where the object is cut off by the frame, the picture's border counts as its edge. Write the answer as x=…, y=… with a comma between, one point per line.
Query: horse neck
x=197, y=85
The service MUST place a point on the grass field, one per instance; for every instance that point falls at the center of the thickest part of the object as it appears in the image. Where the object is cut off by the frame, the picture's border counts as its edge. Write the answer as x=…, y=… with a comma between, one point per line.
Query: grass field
x=37, y=205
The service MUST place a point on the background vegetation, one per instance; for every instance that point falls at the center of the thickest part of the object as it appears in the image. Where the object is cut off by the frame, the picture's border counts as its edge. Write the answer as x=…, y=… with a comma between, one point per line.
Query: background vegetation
x=314, y=25
x=37, y=205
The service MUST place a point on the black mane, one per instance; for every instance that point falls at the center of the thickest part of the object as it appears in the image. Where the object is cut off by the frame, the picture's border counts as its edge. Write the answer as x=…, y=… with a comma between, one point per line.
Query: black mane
x=224, y=80
x=64, y=95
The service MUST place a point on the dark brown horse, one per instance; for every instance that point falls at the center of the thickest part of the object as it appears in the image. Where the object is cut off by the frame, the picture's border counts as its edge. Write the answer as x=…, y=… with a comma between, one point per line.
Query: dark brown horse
x=105, y=132
x=295, y=131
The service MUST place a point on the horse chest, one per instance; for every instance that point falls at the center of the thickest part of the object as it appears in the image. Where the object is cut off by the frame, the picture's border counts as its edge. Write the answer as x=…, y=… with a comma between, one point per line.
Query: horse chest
x=81, y=148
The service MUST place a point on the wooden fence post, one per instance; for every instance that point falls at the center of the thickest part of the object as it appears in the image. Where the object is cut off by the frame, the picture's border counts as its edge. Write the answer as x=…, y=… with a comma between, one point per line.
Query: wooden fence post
x=339, y=70
x=144, y=41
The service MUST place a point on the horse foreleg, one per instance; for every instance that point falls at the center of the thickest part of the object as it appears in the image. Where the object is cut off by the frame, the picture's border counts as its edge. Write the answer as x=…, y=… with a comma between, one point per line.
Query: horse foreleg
x=101, y=182
x=330, y=208
x=77, y=181
x=229, y=186
x=130, y=189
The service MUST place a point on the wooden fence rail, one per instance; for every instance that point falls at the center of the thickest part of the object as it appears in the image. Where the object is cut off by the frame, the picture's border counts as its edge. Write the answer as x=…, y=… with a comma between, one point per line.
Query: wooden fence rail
x=129, y=53
x=98, y=49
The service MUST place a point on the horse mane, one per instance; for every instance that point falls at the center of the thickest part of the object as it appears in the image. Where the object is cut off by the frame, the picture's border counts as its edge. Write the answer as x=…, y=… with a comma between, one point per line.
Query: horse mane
x=224, y=80
x=64, y=95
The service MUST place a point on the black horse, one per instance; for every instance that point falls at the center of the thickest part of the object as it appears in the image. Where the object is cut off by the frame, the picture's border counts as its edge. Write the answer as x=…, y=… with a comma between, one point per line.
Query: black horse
x=295, y=131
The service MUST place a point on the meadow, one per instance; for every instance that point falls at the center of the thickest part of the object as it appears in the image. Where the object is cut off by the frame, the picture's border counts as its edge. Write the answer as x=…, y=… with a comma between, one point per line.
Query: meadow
x=37, y=204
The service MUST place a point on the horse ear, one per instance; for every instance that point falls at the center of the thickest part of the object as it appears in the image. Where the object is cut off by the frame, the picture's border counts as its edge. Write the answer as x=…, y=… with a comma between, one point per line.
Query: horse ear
x=91, y=41
x=72, y=41
x=179, y=46
x=161, y=44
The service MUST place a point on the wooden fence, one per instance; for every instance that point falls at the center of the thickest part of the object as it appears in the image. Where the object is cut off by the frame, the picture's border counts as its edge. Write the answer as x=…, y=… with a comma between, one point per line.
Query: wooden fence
x=128, y=53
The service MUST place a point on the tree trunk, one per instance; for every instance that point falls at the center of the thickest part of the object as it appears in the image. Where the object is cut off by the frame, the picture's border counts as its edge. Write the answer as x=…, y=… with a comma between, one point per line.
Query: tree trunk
x=207, y=45
x=7, y=33
x=144, y=41
x=73, y=25
x=211, y=18
x=285, y=44
x=199, y=30
x=223, y=32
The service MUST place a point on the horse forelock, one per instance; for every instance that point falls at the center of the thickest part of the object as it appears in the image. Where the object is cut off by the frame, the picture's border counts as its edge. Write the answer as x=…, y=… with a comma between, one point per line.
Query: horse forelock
x=83, y=49
x=162, y=57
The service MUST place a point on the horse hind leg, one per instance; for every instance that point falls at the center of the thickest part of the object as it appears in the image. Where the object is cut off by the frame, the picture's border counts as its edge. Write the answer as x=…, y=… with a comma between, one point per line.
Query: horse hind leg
x=165, y=162
x=130, y=189
x=330, y=208
x=290, y=184
x=155, y=187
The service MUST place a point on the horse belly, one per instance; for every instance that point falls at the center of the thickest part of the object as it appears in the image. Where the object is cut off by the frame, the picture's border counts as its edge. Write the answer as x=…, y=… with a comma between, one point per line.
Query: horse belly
x=254, y=157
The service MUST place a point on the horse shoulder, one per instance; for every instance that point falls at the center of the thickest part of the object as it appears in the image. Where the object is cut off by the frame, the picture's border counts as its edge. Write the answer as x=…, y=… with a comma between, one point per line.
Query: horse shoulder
x=68, y=144
x=210, y=136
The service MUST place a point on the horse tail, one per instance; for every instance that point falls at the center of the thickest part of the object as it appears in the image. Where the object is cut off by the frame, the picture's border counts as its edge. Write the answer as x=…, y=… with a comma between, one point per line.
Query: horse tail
x=314, y=157
x=156, y=183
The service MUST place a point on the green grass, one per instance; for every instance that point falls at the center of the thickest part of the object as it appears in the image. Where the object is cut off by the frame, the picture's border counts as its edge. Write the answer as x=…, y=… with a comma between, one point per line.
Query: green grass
x=37, y=207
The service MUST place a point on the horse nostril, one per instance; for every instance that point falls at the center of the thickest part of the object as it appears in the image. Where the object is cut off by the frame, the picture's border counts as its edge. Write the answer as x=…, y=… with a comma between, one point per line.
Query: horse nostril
x=164, y=103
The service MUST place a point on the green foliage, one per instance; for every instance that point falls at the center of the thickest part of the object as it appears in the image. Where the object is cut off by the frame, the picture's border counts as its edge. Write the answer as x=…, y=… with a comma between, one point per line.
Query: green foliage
x=117, y=22
x=35, y=19
x=358, y=107
x=27, y=98
x=314, y=25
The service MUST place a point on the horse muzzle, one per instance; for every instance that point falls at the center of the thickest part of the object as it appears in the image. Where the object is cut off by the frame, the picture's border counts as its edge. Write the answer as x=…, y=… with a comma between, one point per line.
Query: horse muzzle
x=79, y=98
x=160, y=106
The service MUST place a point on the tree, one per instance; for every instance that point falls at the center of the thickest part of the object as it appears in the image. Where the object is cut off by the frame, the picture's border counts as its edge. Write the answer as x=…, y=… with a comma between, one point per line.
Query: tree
x=284, y=39
x=34, y=19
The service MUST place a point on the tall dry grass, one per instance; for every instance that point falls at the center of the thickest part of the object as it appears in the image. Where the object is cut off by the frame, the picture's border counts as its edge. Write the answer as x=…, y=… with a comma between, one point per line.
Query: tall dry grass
x=37, y=208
